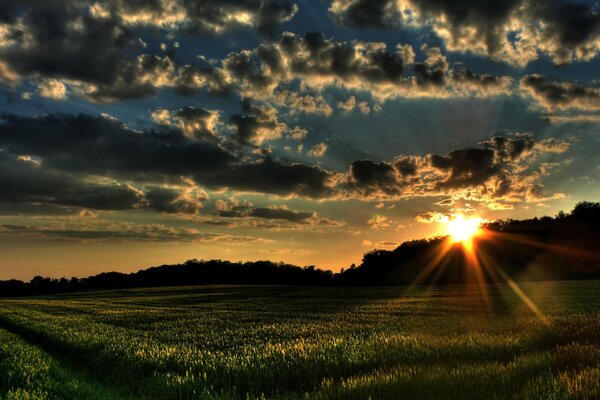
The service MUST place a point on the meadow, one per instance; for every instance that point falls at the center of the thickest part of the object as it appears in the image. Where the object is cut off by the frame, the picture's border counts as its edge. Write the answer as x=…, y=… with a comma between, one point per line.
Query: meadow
x=230, y=342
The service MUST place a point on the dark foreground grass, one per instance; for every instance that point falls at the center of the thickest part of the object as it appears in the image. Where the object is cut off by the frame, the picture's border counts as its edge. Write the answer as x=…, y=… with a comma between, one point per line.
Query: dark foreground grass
x=289, y=342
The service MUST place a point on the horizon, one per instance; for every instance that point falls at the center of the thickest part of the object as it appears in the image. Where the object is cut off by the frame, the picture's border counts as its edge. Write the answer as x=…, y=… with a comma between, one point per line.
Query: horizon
x=455, y=235
x=305, y=132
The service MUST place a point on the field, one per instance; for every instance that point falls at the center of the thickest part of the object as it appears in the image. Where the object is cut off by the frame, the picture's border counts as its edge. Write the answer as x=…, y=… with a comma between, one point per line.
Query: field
x=291, y=342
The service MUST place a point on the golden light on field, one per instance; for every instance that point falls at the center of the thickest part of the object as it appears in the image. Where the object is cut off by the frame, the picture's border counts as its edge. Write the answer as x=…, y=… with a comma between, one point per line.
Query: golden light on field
x=462, y=229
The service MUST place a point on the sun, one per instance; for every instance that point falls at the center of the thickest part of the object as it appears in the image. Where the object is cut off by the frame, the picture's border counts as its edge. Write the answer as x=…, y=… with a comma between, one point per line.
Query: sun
x=462, y=229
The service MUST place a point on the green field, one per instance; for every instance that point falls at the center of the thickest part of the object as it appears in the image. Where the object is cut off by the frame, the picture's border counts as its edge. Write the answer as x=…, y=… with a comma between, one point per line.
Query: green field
x=291, y=342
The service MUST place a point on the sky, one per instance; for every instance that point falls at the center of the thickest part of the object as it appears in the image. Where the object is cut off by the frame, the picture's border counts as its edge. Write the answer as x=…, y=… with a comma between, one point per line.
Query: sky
x=136, y=133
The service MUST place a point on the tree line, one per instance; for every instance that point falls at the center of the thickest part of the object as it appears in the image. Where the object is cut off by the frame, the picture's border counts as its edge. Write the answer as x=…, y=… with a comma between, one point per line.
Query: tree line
x=563, y=247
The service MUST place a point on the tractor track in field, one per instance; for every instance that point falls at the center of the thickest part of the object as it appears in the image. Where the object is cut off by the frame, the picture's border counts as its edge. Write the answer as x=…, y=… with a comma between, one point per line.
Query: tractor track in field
x=74, y=365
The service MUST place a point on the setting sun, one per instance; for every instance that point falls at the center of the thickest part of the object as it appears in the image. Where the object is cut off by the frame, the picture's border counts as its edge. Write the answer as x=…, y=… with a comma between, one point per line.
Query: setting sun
x=463, y=229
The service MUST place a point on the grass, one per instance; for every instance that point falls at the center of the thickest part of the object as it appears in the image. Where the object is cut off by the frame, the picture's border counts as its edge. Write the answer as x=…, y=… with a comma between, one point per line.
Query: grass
x=303, y=343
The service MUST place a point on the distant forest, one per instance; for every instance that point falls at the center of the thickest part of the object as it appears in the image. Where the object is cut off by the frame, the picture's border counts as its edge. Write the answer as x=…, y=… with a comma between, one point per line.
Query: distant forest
x=565, y=247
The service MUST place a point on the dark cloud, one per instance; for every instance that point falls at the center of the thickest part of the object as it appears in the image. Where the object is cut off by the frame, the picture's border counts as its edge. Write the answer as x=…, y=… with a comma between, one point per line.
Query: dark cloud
x=246, y=209
x=514, y=30
x=572, y=23
x=86, y=147
x=259, y=124
x=484, y=17
x=504, y=168
x=362, y=13
x=269, y=175
x=24, y=181
x=406, y=166
x=104, y=146
x=316, y=60
x=55, y=39
x=133, y=79
x=315, y=55
x=510, y=148
x=94, y=44
x=173, y=201
x=561, y=95
x=467, y=167
x=372, y=176
x=217, y=15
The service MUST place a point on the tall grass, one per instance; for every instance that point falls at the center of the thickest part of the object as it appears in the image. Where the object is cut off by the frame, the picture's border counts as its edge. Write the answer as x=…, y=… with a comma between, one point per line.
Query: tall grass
x=285, y=342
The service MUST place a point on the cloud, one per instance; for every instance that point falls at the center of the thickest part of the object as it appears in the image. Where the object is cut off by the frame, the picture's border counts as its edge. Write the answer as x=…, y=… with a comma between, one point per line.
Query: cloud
x=467, y=167
x=25, y=182
x=174, y=200
x=351, y=104
x=98, y=162
x=202, y=16
x=134, y=79
x=298, y=133
x=362, y=13
x=561, y=95
x=318, y=150
x=90, y=44
x=44, y=38
x=258, y=125
x=247, y=209
x=102, y=231
x=30, y=183
x=516, y=31
x=217, y=15
x=303, y=103
x=504, y=169
x=195, y=122
x=581, y=118
x=384, y=243
x=379, y=222
x=104, y=146
x=85, y=146
x=53, y=88
x=369, y=177
x=314, y=59
x=268, y=175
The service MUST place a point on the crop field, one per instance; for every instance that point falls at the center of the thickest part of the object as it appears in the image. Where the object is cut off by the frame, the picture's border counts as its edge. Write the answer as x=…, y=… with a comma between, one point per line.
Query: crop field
x=539, y=341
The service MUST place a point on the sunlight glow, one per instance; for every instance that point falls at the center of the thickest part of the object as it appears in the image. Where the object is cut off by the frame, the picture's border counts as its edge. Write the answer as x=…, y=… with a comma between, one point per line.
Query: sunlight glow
x=463, y=229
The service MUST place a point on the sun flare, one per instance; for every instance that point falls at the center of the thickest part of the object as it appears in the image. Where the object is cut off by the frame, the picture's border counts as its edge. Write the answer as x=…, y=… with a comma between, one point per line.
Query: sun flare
x=462, y=229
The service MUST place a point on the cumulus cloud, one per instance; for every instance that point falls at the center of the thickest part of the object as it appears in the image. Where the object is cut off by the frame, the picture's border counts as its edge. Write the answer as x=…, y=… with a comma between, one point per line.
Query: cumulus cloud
x=369, y=66
x=115, y=71
x=260, y=123
x=90, y=43
x=517, y=31
x=362, y=13
x=504, y=169
x=195, y=122
x=45, y=37
x=316, y=60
